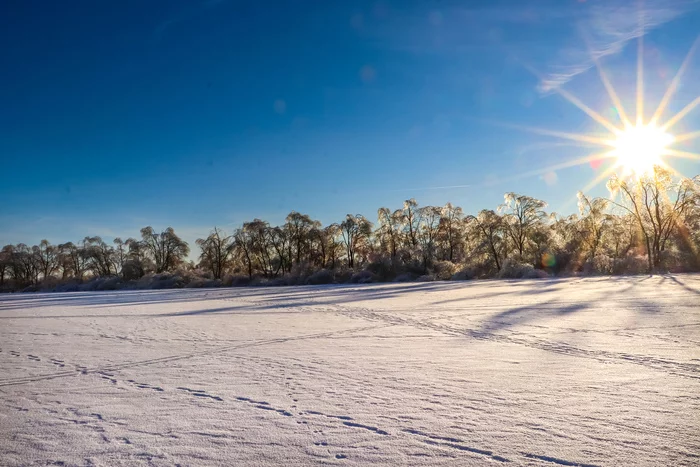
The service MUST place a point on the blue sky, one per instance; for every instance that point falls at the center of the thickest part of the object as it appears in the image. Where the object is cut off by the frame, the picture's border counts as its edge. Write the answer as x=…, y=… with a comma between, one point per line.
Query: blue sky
x=191, y=114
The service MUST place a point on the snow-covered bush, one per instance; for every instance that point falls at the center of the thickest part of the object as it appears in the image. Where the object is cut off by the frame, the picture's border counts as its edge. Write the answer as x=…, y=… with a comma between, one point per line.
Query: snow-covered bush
x=513, y=269
x=443, y=270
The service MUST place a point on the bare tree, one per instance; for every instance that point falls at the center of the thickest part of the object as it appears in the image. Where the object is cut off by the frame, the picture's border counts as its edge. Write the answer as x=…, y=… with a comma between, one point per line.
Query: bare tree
x=74, y=259
x=5, y=263
x=217, y=250
x=299, y=227
x=100, y=257
x=354, y=229
x=243, y=248
x=167, y=250
x=47, y=257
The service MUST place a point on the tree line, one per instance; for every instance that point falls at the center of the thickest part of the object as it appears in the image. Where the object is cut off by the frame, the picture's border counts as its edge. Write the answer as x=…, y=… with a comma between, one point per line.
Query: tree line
x=649, y=223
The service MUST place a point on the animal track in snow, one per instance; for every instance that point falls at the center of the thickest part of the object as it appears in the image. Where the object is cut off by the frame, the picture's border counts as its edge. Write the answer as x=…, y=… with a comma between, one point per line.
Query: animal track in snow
x=264, y=406
x=454, y=443
x=200, y=393
x=143, y=385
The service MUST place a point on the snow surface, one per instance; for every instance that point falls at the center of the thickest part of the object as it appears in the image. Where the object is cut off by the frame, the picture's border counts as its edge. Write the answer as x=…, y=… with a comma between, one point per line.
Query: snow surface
x=600, y=371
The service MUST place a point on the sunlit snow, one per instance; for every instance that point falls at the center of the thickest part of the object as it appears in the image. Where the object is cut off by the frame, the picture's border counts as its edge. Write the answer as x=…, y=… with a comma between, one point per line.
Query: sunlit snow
x=599, y=371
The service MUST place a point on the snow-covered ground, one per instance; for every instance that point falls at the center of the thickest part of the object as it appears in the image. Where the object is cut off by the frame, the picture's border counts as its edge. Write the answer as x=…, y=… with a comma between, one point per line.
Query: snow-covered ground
x=600, y=371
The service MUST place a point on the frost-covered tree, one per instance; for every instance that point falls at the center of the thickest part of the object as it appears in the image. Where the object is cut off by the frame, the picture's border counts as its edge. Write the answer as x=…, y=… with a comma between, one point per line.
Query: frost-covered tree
x=521, y=216
x=490, y=229
x=217, y=251
x=659, y=205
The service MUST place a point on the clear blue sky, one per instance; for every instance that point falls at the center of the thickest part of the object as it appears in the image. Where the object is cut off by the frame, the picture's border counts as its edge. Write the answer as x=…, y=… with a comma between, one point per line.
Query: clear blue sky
x=119, y=114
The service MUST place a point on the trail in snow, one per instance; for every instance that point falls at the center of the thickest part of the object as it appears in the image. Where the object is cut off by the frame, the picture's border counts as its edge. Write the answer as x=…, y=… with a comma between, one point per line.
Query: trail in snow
x=599, y=371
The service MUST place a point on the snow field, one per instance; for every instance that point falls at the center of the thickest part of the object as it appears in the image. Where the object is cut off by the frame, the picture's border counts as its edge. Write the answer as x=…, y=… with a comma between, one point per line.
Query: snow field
x=599, y=371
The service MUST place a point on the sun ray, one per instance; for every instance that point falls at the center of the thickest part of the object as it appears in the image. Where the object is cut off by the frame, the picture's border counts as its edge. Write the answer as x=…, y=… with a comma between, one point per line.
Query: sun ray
x=672, y=169
x=590, y=112
x=601, y=176
x=674, y=84
x=687, y=136
x=563, y=165
x=567, y=164
x=531, y=173
x=681, y=114
x=577, y=102
x=682, y=154
x=580, y=137
x=608, y=85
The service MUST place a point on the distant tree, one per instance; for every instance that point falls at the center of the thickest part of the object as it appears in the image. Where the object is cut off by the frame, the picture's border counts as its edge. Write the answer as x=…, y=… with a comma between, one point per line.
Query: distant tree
x=328, y=245
x=166, y=249
x=74, y=259
x=593, y=223
x=450, y=231
x=217, y=250
x=411, y=221
x=389, y=231
x=137, y=262
x=521, y=214
x=354, y=229
x=5, y=263
x=120, y=255
x=243, y=248
x=100, y=257
x=428, y=232
x=300, y=227
x=258, y=234
x=24, y=265
x=47, y=257
x=489, y=226
x=658, y=204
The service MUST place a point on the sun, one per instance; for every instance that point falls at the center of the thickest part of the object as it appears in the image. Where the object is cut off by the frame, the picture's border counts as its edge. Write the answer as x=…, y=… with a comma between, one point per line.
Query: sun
x=633, y=143
x=637, y=149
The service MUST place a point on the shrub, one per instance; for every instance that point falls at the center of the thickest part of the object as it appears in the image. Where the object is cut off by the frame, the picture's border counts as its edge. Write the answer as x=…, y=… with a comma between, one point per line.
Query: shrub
x=363, y=277
x=465, y=274
x=513, y=269
x=406, y=277
x=237, y=281
x=632, y=265
x=382, y=269
x=324, y=276
x=444, y=270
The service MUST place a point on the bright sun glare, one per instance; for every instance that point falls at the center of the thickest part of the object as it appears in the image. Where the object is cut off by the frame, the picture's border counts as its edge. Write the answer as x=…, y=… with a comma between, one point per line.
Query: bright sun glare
x=634, y=145
x=639, y=148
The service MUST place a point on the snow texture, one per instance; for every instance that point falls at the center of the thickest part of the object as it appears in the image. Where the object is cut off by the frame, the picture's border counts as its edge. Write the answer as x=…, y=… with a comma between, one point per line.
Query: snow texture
x=599, y=371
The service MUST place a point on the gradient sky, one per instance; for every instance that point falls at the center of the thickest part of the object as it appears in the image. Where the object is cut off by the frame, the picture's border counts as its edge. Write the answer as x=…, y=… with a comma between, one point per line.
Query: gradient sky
x=119, y=114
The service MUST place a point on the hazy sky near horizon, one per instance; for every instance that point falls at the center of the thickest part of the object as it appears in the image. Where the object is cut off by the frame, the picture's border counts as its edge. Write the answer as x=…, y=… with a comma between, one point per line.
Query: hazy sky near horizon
x=120, y=114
